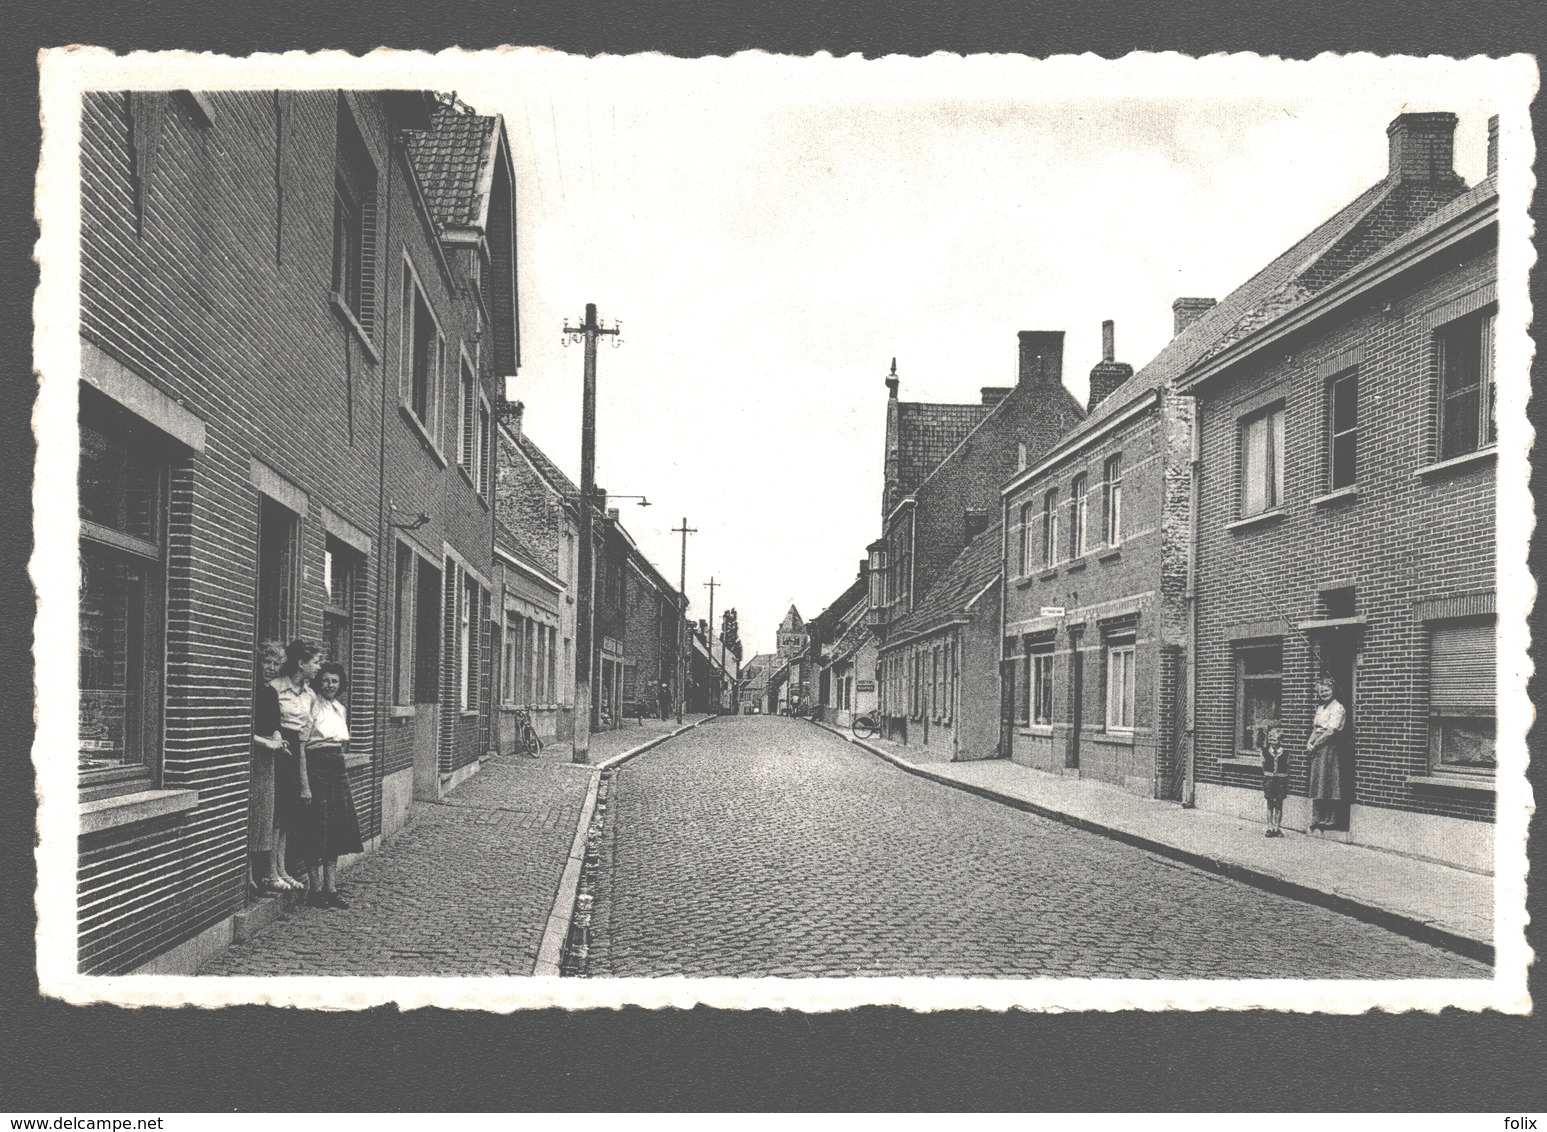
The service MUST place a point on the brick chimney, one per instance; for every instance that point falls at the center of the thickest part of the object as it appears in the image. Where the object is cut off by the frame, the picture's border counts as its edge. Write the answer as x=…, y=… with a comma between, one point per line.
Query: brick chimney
x=1041, y=358
x=1493, y=145
x=511, y=415
x=892, y=382
x=1422, y=147
x=993, y=394
x=1107, y=374
x=1185, y=312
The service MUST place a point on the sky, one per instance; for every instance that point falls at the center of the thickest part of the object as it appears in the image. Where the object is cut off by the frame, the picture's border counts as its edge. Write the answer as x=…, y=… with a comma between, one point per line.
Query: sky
x=771, y=233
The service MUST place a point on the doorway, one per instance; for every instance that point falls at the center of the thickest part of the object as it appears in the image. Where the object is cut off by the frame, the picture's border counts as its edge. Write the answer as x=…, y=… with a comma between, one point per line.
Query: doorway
x=1337, y=653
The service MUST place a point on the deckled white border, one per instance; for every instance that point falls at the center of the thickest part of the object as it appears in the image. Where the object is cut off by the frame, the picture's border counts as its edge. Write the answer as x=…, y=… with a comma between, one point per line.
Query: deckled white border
x=67, y=72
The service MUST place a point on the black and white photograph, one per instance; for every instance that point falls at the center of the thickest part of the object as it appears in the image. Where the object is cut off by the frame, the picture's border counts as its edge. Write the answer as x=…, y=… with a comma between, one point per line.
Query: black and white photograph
x=517, y=529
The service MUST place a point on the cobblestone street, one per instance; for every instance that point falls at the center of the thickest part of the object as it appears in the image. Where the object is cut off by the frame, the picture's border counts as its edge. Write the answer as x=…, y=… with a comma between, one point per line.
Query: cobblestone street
x=766, y=846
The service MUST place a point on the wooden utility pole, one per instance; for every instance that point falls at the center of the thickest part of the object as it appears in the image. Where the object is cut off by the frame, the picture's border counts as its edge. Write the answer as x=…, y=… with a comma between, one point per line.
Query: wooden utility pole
x=682, y=618
x=585, y=606
x=711, y=583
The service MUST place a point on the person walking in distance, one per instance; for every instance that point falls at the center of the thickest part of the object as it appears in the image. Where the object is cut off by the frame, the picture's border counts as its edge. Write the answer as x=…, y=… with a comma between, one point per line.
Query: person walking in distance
x=1324, y=746
x=1275, y=778
x=663, y=700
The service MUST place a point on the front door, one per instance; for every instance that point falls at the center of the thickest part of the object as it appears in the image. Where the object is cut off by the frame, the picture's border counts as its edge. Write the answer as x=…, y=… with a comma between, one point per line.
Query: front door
x=1076, y=701
x=1006, y=708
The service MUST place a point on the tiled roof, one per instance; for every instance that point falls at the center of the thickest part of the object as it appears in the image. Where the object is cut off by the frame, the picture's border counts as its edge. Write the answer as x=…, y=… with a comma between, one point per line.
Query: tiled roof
x=449, y=159
x=927, y=434
x=968, y=575
x=1368, y=224
x=852, y=640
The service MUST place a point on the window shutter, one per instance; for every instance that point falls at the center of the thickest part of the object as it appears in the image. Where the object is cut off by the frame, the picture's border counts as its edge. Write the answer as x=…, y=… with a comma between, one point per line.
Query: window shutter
x=1461, y=668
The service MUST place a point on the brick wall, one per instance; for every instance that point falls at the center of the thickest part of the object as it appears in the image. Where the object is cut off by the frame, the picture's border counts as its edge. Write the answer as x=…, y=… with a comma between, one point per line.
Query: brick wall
x=1403, y=538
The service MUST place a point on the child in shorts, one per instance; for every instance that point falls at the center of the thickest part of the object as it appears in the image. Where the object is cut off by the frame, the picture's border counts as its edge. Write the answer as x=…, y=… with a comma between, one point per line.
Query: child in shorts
x=1275, y=778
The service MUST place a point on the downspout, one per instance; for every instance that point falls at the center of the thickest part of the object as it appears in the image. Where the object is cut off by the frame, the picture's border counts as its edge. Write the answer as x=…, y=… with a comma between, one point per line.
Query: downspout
x=388, y=545
x=1190, y=638
x=1004, y=623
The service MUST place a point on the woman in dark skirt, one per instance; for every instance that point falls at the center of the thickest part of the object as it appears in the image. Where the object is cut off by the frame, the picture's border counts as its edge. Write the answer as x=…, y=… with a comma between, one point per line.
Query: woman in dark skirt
x=331, y=828
x=297, y=703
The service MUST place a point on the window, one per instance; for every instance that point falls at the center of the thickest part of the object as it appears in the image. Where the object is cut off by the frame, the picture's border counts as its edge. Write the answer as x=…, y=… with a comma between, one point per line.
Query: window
x=1120, y=683
x=340, y=564
x=467, y=641
x=1042, y=685
x=1079, y=518
x=1343, y=431
x=423, y=353
x=1259, y=686
x=552, y=666
x=279, y=571
x=1050, y=528
x=404, y=593
x=1112, y=500
x=508, y=660
x=354, y=222
x=1464, y=353
x=1262, y=464
x=121, y=611
x=1462, y=661
x=935, y=676
x=467, y=401
x=1025, y=547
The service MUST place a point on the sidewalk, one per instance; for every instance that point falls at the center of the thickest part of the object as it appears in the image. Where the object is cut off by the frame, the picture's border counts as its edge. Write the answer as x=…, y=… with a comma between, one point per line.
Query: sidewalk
x=474, y=885
x=1448, y=907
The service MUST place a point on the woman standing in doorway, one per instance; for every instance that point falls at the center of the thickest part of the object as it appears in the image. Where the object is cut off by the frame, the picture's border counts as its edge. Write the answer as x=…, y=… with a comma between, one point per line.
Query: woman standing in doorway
x=297, y=704
x=267, y=740
x=330, y=826
x=1326, y=779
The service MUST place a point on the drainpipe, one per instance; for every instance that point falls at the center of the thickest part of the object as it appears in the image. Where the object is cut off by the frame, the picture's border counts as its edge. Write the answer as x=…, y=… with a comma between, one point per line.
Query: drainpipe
x=1004, y=622
x=1190, y=641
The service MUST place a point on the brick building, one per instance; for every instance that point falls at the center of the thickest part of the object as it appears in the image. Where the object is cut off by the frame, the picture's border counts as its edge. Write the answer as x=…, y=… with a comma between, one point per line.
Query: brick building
x=944, y=466
x=1346, y=511
x=754, y=679
x=834, y=690
x=653, y=612
x=281, y=297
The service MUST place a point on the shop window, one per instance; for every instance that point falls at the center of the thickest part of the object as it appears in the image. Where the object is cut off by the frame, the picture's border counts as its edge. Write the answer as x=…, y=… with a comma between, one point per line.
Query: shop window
x=1464, y=358
x=1262, y=461
x=354, y=222
x=1112, y=500
x=122, y=611
x=1120, y=656
x=1259, y=682
x=1042, y=685
x=423, y=356
x=1050, y=528
x=1343, y=431
x=1462, y=662
x=1079, y=517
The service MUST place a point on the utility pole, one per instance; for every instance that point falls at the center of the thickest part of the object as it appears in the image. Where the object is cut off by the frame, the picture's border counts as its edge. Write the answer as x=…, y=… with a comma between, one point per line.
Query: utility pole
x=585, y=607
x=682, y=619
x=711, y=583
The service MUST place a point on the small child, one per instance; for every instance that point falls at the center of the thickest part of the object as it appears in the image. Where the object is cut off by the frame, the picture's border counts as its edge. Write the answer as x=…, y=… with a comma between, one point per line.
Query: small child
x=1275, y=778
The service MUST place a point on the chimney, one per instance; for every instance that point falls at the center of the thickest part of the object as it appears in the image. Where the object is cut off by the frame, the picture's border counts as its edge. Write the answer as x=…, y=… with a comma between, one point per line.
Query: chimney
x=1107, y=374
x=1493, y=145
x=612, y=514
x=511, y=414
x=993, y=394
x=1041, y=358
x=891, y=382
x=1185, y=312
x=1422, y=147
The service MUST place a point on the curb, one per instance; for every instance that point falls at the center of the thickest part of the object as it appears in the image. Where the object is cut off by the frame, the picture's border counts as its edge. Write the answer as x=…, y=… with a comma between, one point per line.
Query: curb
x=1422, y=930
x=550, y=953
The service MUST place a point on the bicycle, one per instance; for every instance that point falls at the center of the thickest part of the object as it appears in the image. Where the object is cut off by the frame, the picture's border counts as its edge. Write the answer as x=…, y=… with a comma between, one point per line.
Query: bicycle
x=865, y=725
x=527, y=741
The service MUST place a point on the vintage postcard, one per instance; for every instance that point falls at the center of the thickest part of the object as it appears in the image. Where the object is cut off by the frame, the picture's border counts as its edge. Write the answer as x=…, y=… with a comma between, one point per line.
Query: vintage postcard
x=518, y=529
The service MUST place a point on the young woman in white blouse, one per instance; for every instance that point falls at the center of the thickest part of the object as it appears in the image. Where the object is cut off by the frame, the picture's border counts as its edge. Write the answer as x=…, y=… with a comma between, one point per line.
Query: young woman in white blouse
x=330, y=825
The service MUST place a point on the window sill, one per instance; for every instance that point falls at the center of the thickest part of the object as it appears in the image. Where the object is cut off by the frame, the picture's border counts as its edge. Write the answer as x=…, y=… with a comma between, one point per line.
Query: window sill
x=469, y=713
x=1440, y=780
x=1037, y=730
x=1023, y=581
x=355, y=760
x=1457, y=463
x=1076, y=566
x=403, y=711
x=126, y=809
x=423, y=433
x=1111, y=738
x=348, y=318
x=1113, y=555
x=1050, y=572
x=1261, y=519
x=1341, y=495
x=1242, y=762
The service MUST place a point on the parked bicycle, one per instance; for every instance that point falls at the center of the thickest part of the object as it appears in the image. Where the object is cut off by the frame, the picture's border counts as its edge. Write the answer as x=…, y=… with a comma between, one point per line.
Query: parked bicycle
x=527, y=742
x=865, y=725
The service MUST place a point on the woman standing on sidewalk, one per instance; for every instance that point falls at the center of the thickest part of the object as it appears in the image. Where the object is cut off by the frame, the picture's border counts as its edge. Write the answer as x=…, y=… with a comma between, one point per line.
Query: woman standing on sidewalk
x=1326, y=780
x=297, y=703
x=329, y=827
